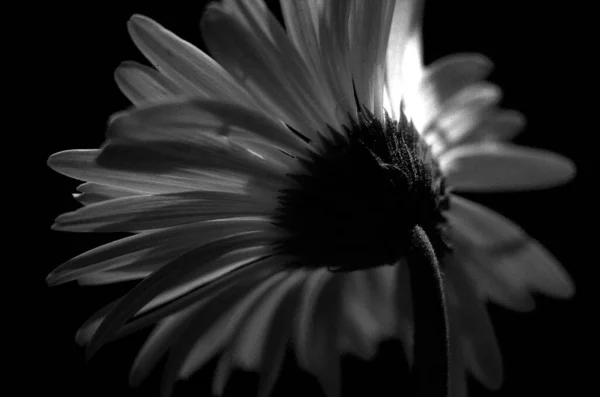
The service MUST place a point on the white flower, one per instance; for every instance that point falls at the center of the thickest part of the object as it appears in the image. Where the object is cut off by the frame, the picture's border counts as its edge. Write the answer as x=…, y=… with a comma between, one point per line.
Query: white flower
x=213, y=168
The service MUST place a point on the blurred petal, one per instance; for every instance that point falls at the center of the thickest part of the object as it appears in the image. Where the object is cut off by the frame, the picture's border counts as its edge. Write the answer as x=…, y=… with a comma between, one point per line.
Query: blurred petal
x=402, y=297
x=466, y=110
x=500, y=125
x=442, y=80
x=458, y=374
x=478, y=340
x=493, y=167
x=504, y=260
x=222, y=373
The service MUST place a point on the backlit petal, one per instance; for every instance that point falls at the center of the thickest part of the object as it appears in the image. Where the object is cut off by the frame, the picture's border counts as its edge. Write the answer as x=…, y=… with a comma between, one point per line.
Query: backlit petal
x=251, y=44
x=490, y=167
x=504, y=260
x=442, y=80
x=479, y=347
x=143, y=85
x=194, y=71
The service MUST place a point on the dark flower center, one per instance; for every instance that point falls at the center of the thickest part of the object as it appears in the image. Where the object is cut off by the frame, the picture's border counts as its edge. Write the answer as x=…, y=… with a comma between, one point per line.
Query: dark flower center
x=353, y=204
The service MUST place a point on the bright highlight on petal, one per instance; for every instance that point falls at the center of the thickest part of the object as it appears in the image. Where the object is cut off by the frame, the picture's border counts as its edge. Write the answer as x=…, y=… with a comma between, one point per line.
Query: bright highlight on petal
x=442, y=80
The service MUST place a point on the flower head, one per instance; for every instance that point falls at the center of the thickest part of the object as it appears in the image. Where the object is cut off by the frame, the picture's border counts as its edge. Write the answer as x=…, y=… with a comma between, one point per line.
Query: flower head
x=269, y=190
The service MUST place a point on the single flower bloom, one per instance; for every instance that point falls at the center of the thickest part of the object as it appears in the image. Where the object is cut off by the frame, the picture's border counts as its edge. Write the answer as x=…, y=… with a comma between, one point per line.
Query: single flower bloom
x=268, y=190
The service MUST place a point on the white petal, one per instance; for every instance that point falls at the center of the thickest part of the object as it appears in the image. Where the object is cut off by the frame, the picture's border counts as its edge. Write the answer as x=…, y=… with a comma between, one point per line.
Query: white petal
x=138, y=213
x=165, y=334
x=404, y=62
x=310, y=292
x=302, y=24
x=333, y=36
x=192, y=69
x=220, y=160
x=112, y=277
x=501, y=125
x=504, y=260
x=211, y=270
x=222, y=373
x=369, y=30
x=200, y=122
x=154, y=248
x=323, y=355
x=213, y=325
x=252, y=341
x=492, y=284
x=219, y=332
x=303, y=21
x=263, y=339
x=402, y=298
x=356, y=338
x=249, y=42
x=441, y=81
x=91, y=193
x=477, y=338
x=226, y=288
x=174, y=280
x=458, y=374
x=463, y=113
x=82, y=164
x=498, y=167
x=361, y=315
x=370, y=312
x=143, y=85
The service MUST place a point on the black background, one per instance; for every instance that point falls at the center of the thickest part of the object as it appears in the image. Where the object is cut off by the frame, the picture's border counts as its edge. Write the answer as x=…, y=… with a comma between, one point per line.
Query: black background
x=536, y=65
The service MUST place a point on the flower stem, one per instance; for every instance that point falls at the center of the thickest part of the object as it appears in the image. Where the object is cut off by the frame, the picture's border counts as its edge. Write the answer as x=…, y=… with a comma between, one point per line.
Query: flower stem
x=431, y=339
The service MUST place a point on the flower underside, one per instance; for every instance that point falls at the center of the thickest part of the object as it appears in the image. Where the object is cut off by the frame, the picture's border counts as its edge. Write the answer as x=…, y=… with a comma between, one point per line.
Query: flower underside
x=355, y=200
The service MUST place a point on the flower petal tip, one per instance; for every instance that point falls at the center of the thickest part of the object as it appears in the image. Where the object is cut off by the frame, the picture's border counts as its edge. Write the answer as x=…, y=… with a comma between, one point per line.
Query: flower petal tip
x=491, y=166
x=138, y=20
x=566, y=289
x=54, y=278
x=55, y=160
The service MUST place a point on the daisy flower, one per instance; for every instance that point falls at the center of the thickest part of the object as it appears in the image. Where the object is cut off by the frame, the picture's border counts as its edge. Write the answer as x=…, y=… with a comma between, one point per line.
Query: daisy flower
x=278, y=190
